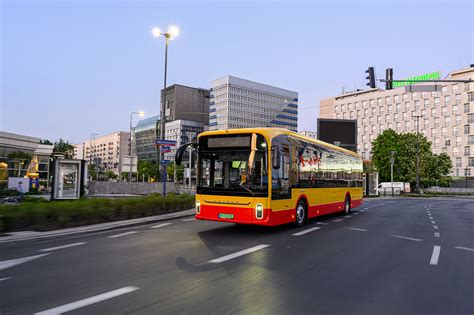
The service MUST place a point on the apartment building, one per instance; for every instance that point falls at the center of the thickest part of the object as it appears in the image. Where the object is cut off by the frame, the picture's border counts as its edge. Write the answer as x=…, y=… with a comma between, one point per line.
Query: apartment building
x=240, y=103
x=446, y=117
x=187, y=103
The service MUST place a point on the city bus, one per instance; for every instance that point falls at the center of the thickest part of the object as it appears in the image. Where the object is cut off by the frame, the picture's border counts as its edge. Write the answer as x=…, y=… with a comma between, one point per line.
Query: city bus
x=272, y=176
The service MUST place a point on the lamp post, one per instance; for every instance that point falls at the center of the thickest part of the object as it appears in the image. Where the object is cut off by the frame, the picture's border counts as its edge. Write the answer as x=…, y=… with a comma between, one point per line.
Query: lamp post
x=417, y=117
x=392, y=161
x=173, y=32
x=130, y=149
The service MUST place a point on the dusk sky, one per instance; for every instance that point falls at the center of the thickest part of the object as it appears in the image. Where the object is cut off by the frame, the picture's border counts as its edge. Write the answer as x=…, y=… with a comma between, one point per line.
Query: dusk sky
x=71, y=68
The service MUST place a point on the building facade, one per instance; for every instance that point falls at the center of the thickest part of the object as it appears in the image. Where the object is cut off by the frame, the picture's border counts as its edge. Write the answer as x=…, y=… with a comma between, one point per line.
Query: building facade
x=309, y=134
x=16, y=152
x=184, y=102
x=109, y=150
x=178, y=131
x=240, y=103
x=446, y=117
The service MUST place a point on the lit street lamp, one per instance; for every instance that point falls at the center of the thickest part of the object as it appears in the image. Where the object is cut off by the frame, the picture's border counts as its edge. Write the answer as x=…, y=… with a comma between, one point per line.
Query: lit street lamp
x=130, y=149
x=173, y=32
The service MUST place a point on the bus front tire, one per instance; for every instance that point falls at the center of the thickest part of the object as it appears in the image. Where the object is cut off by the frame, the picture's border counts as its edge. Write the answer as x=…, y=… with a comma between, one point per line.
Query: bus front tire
x=347, y=205
x=301, y=213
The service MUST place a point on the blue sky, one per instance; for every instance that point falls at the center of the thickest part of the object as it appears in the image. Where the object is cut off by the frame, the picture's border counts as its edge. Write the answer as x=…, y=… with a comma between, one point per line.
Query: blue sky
x=70, y=68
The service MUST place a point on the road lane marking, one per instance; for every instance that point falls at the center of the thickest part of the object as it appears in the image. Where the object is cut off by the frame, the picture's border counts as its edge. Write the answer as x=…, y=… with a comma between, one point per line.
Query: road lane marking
x=356, y=229
x=433, y=222
x=159, y=225
x=122, y=234
x=435, y=227
x=322, y=223
x=431, y=218
x=348, y=216
x=406, y=238
x=61, y=247
x=3, y=279
x=465, y=248
x=435, y=255
x=191, y=219
x=436, y=234
x=306, y=231
x=363, y=210
x=337, y=220
x=356, y=213
x=238, y=254
x=89, y=301
x=13, y=262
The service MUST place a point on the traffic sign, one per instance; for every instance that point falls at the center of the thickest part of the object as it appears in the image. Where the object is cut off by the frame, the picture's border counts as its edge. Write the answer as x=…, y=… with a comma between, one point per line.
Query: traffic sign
x=165, y=162
x=165, y=142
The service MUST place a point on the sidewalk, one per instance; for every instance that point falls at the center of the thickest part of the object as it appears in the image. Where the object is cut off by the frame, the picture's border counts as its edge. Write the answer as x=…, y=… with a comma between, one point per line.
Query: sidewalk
x=33, y=235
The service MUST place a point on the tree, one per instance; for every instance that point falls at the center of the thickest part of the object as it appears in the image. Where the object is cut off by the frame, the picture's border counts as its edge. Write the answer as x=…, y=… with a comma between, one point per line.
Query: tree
x=433, y=168
x=179, y=172
x=64, y=147
x=45, y=141
x=148, y=169
x=111, y=174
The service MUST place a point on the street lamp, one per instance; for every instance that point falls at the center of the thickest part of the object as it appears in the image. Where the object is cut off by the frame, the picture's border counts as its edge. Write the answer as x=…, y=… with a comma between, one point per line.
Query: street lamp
x=130, y=149
x=417, y=117
x=172, y=33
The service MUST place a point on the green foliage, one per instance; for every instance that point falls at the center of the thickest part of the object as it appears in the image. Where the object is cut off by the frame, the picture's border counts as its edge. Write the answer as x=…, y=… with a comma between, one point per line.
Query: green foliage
x=43, y=215
x=111, y=174
x=64, y=147
x=45, y=141
x=179, y=172
x=20, y=155
x=149, y=169
x=433, y=168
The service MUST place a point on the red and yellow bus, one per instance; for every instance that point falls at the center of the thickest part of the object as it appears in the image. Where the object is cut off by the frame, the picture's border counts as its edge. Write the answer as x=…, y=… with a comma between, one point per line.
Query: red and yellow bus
x=272, y=176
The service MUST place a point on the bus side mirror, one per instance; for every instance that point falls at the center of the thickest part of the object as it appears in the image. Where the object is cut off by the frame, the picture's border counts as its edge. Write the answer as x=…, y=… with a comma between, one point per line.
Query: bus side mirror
x=276, y=157
x=179, y=153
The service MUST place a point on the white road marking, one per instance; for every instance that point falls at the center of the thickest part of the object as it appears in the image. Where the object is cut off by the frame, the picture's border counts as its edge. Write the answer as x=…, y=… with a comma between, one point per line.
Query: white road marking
x=238, y=254
x=13, y=262
x=322, y=223
x=348, y=216
x=337, y=220
x=306, y=231
x=435, y=255
x=436, y=234
x=3, y=279
x=465, y=248
x=356, y=229
x=89, y=301
x=159, y=225
x=122, y=234
x=61, y=247
x=435, y=227
x=363, y=210
x=406, y=238
x=191, y=219
x=431, y=218
x=356, y=213
x=433, y=222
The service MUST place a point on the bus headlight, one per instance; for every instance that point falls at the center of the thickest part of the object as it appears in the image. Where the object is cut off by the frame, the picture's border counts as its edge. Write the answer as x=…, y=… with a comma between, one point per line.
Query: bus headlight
x=198, y=207
x=259, y=211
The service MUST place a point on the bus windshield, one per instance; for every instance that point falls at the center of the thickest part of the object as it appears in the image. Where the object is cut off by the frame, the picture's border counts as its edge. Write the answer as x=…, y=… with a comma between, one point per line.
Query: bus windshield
x=233, y=165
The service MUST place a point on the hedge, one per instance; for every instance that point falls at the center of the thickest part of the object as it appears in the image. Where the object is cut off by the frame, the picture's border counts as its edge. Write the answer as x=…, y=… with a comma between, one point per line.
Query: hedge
x=45, y=216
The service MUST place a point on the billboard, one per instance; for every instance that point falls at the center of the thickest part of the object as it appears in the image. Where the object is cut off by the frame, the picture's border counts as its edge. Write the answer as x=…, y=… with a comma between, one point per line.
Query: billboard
x=341, y=132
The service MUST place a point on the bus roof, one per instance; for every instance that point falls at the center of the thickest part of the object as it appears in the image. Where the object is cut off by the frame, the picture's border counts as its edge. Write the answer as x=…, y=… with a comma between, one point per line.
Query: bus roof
x=270, y=133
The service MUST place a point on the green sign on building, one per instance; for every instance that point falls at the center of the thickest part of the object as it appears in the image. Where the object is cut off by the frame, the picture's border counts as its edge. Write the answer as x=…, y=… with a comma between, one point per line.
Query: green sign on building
x=414, y=80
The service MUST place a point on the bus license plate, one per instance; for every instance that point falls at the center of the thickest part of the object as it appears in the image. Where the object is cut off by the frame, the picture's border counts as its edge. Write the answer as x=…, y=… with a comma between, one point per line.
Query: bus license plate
x=225, y=216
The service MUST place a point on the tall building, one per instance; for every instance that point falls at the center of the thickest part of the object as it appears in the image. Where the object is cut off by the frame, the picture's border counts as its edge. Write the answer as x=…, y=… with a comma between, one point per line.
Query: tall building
x=184, y=102
x=309, y=134
x=240, y=103
x=144, y=135
x=108, y=150
x=446, y=118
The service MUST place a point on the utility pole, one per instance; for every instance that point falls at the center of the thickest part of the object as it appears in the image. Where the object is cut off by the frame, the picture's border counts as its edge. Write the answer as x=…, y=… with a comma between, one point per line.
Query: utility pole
x=190, y=136
x=392, y=161
x=417, y=117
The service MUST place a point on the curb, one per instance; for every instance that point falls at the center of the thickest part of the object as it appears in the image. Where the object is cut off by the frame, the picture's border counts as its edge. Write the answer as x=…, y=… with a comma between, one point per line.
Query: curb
x=94, y=228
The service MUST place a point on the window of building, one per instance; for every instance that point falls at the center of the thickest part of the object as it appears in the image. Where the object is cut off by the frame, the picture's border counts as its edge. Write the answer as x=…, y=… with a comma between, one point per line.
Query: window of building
x=444, y=90
x=471, y=161
x=470, y=118
x=467, y=151
x=388, y=100
x=436, y=101
x=389, y=108
x=405, y=97
x=444, y=131
x=458, y=99
x=427, y=122
x=444, y=110
x=414, y=95
x=336, y=108
x=426, y=103
x=436, y=122
x=458, y=119
x=447, y=120
x=399, y=107
x=455, y=130
x=417, y=105
x=396, y=98
x=455, y=109
x=407, y=107
x=467, y=172
x=455, y=88
x=466, y=108
x=399, y=126
x=470, y=139
x=458, y=140
x=407, y=125
x=433, y=112
x=466, y=86
x=447, y=142
x=447, y=99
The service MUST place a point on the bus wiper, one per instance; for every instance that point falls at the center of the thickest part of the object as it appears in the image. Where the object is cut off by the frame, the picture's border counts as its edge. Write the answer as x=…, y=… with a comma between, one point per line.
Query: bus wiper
x=250, y=191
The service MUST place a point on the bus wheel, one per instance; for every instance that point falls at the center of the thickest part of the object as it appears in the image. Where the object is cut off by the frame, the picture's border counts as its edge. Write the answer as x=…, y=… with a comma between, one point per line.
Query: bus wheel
x=300, y=213
x=347, y=205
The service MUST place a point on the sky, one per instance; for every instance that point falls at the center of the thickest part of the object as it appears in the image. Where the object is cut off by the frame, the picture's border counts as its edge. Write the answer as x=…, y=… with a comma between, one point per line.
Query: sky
x=72, y=68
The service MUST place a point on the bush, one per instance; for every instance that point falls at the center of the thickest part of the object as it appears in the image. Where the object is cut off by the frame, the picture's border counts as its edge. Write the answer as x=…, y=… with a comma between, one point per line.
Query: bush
x=50, y=215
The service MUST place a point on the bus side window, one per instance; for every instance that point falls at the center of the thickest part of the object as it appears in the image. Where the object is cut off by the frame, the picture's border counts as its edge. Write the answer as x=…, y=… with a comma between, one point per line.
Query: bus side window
x=280, y=176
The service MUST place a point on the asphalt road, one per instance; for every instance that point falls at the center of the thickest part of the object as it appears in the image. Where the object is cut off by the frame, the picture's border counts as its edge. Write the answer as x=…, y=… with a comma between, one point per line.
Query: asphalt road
x=392, y=256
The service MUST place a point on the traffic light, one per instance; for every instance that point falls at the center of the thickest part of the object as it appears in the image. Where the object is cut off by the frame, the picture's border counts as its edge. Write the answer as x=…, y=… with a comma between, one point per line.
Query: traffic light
x=388, y=78
x=370, y=77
